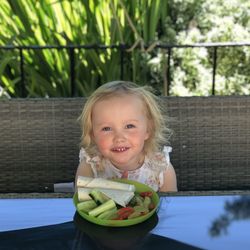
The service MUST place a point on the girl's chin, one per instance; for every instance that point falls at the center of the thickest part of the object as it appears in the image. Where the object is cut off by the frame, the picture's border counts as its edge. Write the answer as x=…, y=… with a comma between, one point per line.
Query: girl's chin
x=122, y=165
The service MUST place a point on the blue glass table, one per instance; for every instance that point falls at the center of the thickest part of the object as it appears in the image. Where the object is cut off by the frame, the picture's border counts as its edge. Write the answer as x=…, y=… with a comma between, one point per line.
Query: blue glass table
x=181, y=222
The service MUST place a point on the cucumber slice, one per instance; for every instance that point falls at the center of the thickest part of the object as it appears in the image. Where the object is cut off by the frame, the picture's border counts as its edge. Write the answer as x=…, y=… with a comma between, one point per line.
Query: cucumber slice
x=98, y=196
x=109, y=214
x=146, y=202
x=102, y=208
x=86, y=206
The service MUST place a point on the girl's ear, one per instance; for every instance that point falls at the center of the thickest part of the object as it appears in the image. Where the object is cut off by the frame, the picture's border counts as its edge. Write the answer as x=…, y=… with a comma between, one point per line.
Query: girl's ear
x=147, y=135
x=149, y=129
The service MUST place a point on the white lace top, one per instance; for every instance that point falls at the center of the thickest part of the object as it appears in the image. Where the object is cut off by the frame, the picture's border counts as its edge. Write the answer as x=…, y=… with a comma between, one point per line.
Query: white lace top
x=150, y=173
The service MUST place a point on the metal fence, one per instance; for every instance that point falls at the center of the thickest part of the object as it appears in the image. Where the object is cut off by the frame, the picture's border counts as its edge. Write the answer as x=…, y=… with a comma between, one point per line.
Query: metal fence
x=122, y=49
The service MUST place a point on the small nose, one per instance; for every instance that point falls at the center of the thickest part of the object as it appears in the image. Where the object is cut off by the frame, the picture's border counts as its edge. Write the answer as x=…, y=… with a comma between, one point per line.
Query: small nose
x=119, y=136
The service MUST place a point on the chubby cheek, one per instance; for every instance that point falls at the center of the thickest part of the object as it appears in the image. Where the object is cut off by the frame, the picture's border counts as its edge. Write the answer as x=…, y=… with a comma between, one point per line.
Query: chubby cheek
x=141, y=135
x=138, y=139
x=102, y=142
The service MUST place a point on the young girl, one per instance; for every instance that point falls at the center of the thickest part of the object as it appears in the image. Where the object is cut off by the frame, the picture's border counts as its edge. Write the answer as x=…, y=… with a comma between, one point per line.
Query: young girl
x=123, y=129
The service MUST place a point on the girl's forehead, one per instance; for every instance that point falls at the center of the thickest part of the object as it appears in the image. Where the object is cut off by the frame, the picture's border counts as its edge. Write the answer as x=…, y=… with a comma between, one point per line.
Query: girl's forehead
x=128, y=99
x=122, y=101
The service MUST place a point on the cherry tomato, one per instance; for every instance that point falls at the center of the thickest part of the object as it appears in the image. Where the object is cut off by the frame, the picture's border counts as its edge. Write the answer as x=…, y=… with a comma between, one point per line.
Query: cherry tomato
x=124, y=212
x=144, y=194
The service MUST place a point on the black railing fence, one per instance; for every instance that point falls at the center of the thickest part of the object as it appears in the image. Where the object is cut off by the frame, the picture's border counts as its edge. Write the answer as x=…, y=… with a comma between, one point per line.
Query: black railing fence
x=122, y=49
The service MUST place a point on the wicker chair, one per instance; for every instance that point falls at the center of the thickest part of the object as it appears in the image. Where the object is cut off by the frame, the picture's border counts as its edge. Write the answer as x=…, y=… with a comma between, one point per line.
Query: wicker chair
x=211, y=143
x=39, y=143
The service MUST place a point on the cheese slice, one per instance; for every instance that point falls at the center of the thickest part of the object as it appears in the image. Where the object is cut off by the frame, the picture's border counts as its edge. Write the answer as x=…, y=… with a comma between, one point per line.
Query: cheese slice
x=121, y=197
x=83, y=181
x=83, y=194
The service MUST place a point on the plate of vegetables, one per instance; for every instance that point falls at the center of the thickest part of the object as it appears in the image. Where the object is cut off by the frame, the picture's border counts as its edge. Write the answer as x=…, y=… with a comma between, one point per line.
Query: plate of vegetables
x=113, y=207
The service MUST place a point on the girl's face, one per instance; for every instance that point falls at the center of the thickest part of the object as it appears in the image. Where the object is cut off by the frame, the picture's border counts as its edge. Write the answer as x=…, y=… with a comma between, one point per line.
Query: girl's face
x=120, y=128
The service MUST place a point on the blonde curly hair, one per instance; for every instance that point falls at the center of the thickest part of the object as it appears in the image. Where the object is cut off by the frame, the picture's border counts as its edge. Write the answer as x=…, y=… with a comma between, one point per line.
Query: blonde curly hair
x=156, y=120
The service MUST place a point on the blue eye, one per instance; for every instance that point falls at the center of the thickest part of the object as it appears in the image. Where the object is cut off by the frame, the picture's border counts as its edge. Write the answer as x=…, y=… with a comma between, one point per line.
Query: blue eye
x=130, y=126
x=106, y=129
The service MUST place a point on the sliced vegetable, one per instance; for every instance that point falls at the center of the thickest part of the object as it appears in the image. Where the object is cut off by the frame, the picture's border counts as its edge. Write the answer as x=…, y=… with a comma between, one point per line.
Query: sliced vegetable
x=139, y=200
x=123, y=213
x=124, y=209
x=98, y=196
x=86, y=206
x=108, y=215
x=141, y=209
x=134, y=215
x=146, y=202
x=102, y=208
x=146, y=194
x=151, y=206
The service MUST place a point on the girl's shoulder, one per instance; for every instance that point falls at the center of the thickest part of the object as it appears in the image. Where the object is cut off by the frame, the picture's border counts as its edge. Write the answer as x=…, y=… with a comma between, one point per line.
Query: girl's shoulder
x=159, y=161
x=85, y=156
x=151, y=172
x=161, y=158
x=94, y=161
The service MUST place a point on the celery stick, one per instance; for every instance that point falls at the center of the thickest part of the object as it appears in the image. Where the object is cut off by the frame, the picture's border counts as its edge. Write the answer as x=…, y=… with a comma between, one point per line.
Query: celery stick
x=146, y=202
x=102, y=208
x=134, y=215
x=141, y=209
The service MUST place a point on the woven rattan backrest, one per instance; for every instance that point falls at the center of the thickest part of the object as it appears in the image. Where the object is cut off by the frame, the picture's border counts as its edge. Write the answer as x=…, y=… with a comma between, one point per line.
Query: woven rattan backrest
x=211, y=142
x=39, y=142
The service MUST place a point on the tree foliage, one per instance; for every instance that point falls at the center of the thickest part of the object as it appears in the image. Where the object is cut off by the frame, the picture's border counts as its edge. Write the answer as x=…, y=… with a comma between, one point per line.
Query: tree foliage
x=118, y=22
x=212, y=22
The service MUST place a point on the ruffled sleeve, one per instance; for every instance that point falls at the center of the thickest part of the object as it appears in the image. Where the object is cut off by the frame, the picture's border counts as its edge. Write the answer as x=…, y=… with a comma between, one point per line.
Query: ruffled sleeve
x=93, y=161
x=166, y=151
x=83, y=155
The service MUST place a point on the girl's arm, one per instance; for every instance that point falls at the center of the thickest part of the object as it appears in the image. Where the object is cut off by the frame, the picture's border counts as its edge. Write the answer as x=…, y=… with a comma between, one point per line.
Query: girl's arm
x=169, y=180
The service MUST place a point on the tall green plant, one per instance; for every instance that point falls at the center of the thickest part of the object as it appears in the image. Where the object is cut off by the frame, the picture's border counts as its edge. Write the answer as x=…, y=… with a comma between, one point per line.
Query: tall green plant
x=79, y=22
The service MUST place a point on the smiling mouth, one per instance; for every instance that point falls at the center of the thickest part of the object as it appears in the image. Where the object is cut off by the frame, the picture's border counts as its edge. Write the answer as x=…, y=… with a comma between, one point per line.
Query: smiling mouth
x=120, y=149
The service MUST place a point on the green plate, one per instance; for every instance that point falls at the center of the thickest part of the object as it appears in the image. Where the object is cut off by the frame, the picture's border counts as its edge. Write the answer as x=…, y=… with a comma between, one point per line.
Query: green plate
x=139, y=187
